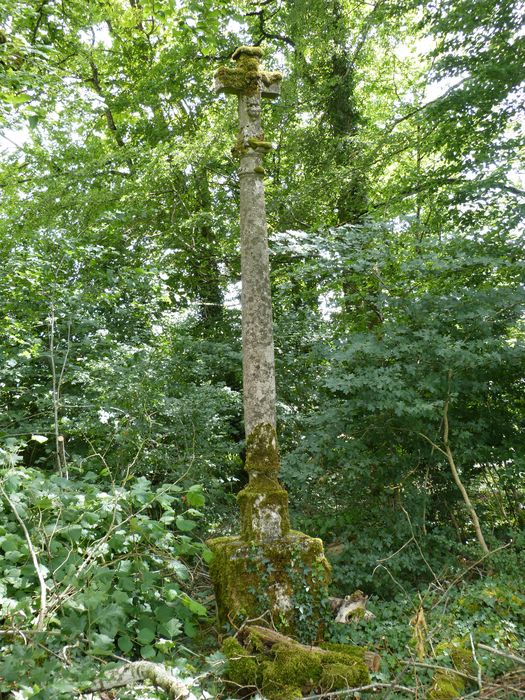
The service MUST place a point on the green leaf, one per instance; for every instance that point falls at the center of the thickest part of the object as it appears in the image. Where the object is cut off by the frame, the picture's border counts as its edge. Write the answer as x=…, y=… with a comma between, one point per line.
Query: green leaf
x=147, y=652
x=101, y=644
x=184, y=524
x=194, y=606
x=195, y=497
x=145, y=635
x=125, y=644
x=172, y=628
x=190, y=630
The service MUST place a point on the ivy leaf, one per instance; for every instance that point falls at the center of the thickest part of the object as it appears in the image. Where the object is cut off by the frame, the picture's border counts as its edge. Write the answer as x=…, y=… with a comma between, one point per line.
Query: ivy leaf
x=195, y=497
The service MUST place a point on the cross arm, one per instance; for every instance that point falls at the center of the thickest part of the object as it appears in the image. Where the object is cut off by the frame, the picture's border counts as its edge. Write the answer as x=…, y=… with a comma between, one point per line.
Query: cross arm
x=247, y=78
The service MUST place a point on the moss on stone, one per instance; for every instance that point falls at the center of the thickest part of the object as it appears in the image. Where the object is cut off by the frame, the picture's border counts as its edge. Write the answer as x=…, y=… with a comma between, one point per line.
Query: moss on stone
x=262, y=452
x=291, y=669
x=259, y=145
x=343, y=667
x=286, y=670
x=310, y=670
x=253, y=578
x=447, y=685
x=260, y=170
x=242, y=668
x=264, y=511
x=462, y=659
x=271, y=77
x=350, y=652
x=257, y=51
x=339, y=676
x=246, y=77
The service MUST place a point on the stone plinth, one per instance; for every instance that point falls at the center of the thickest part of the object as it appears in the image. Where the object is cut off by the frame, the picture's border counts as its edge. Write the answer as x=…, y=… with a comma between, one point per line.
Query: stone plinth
x=264, y=511
x=286, y=577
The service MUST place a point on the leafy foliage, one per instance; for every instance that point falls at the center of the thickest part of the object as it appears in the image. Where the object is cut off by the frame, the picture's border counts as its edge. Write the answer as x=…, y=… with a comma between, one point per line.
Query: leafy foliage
x=116, y=562
x=395, y=209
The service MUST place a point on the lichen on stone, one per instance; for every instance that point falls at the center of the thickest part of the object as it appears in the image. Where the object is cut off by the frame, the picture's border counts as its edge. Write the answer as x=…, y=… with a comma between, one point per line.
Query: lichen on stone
x=271, y=77
x=254, y=578
x=264, y=510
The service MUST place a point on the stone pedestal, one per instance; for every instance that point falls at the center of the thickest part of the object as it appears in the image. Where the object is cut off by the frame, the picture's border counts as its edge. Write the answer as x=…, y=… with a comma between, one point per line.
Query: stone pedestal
x=286, y=578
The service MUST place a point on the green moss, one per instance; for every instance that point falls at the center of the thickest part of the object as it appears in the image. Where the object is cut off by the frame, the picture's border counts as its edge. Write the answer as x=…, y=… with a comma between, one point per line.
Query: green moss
x=264, y=511
x=271, y=77
x=242, y=669
x=252, y=578
x=260, y=170
x=285, y=670
x=446, y=686
x=291, y=667
x=311, y=670
x=339, y=676
x=462, y=659
x=244, y=78
x=350, y=652
x=343, y=667
x=287, y=692
x=248, y=51
x=262, y=452
x=259, y=145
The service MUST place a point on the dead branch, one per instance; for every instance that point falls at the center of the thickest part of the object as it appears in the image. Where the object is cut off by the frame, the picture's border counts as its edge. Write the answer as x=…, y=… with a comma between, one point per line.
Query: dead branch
x=139, y=671
x=498, y=652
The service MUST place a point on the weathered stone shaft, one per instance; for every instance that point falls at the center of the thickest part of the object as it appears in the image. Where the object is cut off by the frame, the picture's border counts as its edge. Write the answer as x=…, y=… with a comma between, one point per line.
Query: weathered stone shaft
x=257, y=324
x=263, y=503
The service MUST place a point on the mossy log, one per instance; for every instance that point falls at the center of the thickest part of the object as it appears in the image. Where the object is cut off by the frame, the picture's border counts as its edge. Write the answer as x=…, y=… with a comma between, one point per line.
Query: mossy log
x=449, y=685
x=270, y=637
x=281, y=668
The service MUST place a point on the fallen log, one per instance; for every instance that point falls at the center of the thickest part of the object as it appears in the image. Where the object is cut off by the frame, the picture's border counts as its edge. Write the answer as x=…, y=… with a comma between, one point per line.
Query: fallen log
x=270, y=637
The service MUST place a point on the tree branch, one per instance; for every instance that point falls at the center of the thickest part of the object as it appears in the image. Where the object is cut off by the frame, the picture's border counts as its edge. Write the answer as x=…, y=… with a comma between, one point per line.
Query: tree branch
x=32, y=550
x=455, y=473
x=139, y=671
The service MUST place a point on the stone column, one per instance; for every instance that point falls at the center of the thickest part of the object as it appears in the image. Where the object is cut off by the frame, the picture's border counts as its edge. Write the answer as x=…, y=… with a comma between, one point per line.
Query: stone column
x=264, y=503
x=267, y=568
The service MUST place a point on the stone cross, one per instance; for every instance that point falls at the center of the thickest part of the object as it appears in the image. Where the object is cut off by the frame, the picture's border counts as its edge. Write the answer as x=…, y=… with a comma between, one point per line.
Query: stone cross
x=268, y=567
x=264, y=504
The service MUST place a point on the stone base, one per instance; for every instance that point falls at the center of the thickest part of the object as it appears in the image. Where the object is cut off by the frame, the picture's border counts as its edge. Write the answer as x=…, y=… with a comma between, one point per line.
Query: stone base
x=287, y=578
x=264, y=511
